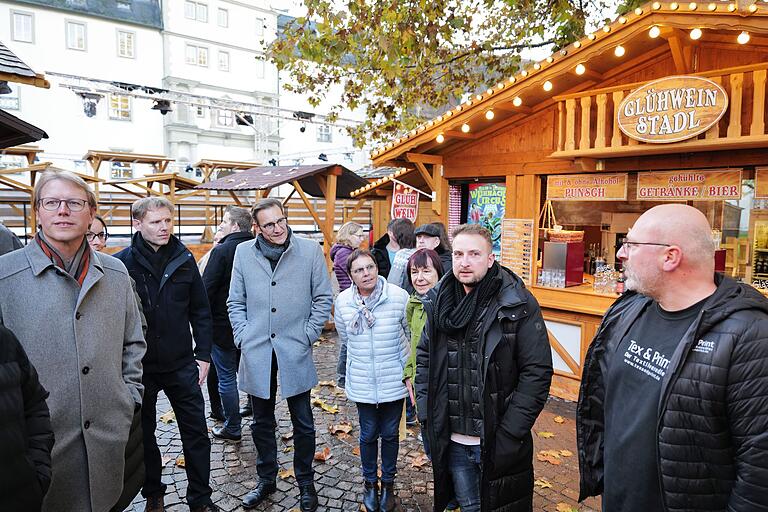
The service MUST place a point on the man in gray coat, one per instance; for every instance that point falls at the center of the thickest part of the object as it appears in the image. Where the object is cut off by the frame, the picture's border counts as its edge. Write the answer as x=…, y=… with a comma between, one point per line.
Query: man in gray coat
x=279, y=299
x=74, y=312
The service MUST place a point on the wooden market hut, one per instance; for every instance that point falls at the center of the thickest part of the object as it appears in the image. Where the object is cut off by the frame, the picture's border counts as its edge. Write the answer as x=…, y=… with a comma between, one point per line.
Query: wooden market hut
x=564, y=121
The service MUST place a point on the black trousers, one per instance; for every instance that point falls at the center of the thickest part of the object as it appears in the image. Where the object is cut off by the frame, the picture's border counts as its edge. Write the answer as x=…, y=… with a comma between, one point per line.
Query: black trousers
x=264, y=426
x=183, y=391
x=212, y=383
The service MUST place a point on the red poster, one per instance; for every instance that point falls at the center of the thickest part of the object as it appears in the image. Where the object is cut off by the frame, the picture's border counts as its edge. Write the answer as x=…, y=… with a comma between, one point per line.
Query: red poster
x=405, y=203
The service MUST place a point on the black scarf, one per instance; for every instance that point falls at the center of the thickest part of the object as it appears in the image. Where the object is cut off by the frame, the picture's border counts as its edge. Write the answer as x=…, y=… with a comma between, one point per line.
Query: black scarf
x=157, y=258
x=273, y=252
x=454, y=308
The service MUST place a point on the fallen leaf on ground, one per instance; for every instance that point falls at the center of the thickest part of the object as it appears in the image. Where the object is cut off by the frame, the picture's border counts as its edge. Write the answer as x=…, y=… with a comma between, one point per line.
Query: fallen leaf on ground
x=564, y=507
x=329, y=383
x=180, y=461
x=420, y=460
x=287, y=437
x=288, y=449
x=545, y=435
x=546, y=457
x=356, y=451
x=542, y=483
x=343, y=436
x=168, y=417
x=551, y=453
x=324, y=406
x=323, y=455
x=166, y=459
x=285, y=474
x=558, y=419
x=566, y=453
x=340, y=428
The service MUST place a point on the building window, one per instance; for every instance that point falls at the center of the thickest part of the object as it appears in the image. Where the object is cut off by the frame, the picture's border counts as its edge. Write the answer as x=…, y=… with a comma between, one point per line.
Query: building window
x=223, y=61
x=196, y=11
x=121, y=171
x=260, y=26
x=11, y=101
x=23, y=27
x=125, y=44
x=75, y=35
x=119, y=107
x=124, y=5
x=225, y=118
x=223, y=17
x=323, y=133
x=259, y=68
x=199, y=112
x=197, y=55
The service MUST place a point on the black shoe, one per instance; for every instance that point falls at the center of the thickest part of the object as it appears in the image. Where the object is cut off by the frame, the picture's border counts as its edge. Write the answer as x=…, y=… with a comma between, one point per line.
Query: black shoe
x=371, y=496
x=388, y=503
x=308, y=499
x=411, y=421
x=210, y=507
x=259, y=494
x=247, y=409
x=220, y=433
x=217, y=416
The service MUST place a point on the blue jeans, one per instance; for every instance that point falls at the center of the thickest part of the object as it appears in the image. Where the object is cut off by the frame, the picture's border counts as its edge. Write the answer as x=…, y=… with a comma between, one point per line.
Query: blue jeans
x=225, y=360
x=379, y=421
x=464, y=466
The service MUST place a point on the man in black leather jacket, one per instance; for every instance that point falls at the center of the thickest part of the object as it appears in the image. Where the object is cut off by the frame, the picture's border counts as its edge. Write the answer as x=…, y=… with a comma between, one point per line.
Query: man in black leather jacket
x=676, y=379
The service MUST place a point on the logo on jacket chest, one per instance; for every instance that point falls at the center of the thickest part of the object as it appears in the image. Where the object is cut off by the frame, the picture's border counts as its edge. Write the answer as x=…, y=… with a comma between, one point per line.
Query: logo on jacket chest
x=704, y=347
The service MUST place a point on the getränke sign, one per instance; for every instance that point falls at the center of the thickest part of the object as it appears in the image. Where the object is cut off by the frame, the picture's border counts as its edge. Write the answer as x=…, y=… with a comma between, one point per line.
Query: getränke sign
x=672, y=109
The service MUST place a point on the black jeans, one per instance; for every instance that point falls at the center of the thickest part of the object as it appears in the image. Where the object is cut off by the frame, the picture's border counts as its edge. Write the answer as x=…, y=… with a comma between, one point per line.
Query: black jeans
x=186, y=398
x=264, y=426
x=212, y=383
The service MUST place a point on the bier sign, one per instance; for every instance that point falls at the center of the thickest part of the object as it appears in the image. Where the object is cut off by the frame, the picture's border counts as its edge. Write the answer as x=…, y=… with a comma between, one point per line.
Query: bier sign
x=672, y=109
x=689, y=185
x=587, y=187
x=405, y=203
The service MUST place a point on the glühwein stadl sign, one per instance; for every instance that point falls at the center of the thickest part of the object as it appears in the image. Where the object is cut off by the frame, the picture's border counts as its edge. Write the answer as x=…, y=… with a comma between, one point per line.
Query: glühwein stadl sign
x=405, y=203
x=672, y=109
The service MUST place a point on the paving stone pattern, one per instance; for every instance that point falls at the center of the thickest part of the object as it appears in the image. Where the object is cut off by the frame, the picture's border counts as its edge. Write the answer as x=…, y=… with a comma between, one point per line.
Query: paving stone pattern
x=338, y=480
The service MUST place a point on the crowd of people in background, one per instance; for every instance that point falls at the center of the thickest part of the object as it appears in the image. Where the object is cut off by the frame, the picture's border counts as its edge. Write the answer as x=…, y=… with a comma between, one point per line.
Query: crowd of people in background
x=428, y=327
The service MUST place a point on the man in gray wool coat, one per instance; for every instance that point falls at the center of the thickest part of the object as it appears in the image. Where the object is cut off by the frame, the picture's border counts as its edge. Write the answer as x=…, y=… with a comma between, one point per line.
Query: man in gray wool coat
x=279, y=299
x=75, y=313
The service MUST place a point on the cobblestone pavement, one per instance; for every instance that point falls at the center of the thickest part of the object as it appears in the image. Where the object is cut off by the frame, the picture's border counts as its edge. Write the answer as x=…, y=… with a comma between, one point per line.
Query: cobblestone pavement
x=338, y=480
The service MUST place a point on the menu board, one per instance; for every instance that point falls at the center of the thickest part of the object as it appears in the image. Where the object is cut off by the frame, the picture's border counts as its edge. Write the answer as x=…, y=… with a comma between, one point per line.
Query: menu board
x=517, y=247
x=587, y=187
x=689, y=185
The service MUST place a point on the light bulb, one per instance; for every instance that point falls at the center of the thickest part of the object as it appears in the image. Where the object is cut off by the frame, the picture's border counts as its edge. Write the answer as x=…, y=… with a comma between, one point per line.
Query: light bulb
x=753, y=8
x=606, y=29
x=731, y=7
x=692, y=6
x=619, y=51
x=622, y=20
x=577, y=44
x=517, y=101
x=674, y=6
x=712, y=6
x=695, y=34
x=537, y=66
x=547, y=86
x=656, y=6
x=581, y=69
x=440, y=138
x=743, y=38
x=638, y=11
x=654, y=32
x=489, y=115
x=524, y=73
x=465, y=128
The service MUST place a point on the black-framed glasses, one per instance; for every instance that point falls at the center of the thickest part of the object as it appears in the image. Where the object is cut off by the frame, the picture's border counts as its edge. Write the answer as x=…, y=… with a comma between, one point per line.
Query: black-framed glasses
x=270, y=226
x=629, y=243
x=102, y=236
x=52, y=204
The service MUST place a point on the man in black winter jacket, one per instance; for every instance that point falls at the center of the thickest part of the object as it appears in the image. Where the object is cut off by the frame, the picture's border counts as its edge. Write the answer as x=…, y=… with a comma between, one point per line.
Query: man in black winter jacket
x=236, y=228
x=483, y=371
x=173, y=298
x=26, y=435
x=673, y=407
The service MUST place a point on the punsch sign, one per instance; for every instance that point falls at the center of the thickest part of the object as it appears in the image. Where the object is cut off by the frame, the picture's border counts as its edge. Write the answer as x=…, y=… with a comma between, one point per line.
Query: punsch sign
x=405, y=203
x=672, y=109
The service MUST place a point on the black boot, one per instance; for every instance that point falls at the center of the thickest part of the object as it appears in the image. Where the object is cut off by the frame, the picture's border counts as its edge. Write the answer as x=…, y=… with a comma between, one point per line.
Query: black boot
x=308, y=498
x=388, y=503
x=259, y=494
x=371, y=497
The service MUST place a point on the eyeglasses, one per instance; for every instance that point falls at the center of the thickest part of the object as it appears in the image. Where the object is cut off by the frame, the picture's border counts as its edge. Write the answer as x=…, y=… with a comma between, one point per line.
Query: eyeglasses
x=102, y=236
x=629, y=244
x=52, y=204
x=361, y=270
x=270, y=226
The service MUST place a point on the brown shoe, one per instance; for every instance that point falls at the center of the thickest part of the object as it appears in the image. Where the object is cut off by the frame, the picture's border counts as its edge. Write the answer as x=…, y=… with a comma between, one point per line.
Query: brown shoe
x=155, y=504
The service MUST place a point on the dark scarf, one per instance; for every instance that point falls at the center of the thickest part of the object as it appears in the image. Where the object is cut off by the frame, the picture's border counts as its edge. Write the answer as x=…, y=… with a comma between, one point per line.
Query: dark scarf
x=454, y=308
x=157, y=258
x=273, y=252
x=77, y=268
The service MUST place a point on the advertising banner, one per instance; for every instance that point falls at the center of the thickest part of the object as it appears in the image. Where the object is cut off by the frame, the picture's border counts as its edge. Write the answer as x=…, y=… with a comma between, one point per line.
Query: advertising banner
x=587, y=187
x=486, y=207
x=689, y=185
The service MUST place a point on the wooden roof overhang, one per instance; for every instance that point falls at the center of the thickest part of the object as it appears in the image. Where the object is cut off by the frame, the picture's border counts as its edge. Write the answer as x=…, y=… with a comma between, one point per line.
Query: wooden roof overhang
x=15, y=131
x=30, y=152
x=209, y=166
x=523, y=95
x=95, y=158
x=329, y=181
x=13, y=69
x=145, y=186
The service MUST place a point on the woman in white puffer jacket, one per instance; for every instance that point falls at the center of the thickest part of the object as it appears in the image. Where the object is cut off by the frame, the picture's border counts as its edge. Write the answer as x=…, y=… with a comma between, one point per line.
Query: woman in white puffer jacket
x=373, y=350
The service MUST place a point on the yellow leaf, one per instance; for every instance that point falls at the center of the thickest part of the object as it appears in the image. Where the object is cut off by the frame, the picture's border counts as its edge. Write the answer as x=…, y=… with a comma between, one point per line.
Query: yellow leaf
x=288, y=449
x=420, y=460
x=544, y=456
x=328, y=383
x=323, y=455
x=559, y=419
x=340, y=428
x=324, y=406
x=542, y=483
x=180, y=461
x=551, y=453
x=168, y=417
x=356, y=451
x=564, y=507
x=166, y=459
x=566, y=453
x=546, y=435
x=285, y=474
